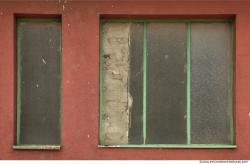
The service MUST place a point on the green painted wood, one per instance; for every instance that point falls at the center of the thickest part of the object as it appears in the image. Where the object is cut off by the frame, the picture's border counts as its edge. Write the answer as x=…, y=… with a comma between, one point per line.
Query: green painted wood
x=198, y=146
x=145, y=84
x=232, y=85
x=165, y=21
x=39, y=20
x=188, y=83
x=18, y=82
x=101, y=83
x=60, y=63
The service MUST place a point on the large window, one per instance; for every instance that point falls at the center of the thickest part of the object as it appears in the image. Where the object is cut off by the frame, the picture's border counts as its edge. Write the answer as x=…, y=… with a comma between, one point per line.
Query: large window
x=166, y=83
x=38, y=84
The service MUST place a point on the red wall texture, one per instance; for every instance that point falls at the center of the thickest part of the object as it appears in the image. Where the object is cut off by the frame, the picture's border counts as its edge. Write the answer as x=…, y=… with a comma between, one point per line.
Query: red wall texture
x=80, y=94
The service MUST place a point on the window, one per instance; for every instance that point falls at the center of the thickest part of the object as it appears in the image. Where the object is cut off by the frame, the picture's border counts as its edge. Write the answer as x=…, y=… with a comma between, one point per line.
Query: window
x=166, y=83
x=38, y=84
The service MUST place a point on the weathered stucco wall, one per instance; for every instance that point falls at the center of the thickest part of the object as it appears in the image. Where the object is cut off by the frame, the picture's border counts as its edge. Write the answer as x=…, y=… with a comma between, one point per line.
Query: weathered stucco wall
x=80, y=74
x=115, y=83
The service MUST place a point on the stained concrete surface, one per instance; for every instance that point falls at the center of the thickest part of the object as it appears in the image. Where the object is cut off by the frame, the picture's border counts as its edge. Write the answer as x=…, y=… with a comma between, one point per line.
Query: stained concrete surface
x=116, y=98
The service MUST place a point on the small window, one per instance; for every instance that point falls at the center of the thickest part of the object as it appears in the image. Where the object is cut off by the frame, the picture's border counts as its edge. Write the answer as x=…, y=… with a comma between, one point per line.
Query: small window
x=39, y=83
x=166, y=83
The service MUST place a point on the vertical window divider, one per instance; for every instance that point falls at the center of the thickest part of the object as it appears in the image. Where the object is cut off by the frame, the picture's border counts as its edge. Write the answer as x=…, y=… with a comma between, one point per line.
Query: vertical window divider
x=18, y=83
x=232, y=83
x=60, y=58
x=188, y=83
x=101, y=82
x=144, y=82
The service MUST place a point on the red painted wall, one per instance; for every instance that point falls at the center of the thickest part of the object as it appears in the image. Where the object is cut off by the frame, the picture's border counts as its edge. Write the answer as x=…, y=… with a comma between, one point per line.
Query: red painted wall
x=80, y=95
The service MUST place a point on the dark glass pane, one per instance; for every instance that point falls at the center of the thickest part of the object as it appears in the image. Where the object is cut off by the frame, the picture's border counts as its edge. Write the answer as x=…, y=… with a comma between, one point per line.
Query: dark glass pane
x=210, y=83
x=166, y=83
x=136, y=84
x=40, y=82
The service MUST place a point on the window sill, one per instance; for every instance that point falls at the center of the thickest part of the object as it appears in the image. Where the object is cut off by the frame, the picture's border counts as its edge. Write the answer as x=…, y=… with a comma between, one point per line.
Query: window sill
x=191, y=146
x=37, y=147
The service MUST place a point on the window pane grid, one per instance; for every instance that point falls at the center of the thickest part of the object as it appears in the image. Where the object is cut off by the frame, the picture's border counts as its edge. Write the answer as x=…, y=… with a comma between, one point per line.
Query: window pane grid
x=188, y=83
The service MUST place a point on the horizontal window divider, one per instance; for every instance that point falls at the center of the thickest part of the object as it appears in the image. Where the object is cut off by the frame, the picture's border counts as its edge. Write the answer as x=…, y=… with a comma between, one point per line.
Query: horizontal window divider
x=37, y=147
x=39, y=20
x=166, y=20
x=198, y=146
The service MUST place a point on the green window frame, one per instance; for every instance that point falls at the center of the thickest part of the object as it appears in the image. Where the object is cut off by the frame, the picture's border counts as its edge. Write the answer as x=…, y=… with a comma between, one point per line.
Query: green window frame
x=57, y=23
x=188, y=83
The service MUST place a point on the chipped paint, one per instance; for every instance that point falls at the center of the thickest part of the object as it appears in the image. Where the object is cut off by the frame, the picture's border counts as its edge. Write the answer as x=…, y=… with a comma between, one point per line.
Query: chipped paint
x=116, y=99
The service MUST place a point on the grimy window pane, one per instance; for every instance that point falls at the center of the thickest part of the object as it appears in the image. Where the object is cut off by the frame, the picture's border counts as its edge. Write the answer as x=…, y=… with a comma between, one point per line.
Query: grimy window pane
x=122, y=83
x=39, y=56
x=210, y=83
x=136, y=84
x=166, y=83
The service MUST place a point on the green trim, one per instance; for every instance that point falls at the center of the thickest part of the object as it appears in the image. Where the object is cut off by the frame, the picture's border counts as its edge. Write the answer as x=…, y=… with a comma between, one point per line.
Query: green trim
x=39, y=20
x=198, y=146
x=60, y=58
x=36, y=147
x=232, y=84
x=101, y=83
x=165, y=20
x=19, y=59
x=145, y=83
x=188, y=83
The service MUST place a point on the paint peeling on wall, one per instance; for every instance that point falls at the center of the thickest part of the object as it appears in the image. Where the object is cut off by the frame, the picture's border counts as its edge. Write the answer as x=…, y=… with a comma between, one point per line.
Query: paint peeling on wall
x=116, y=98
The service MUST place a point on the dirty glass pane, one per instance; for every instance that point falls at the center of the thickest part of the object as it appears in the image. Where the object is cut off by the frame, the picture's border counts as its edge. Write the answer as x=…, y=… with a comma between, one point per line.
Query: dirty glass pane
x=166, y=83
x=136, y=84
x=39, y=47
x=122, y=83
x=210, y=83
